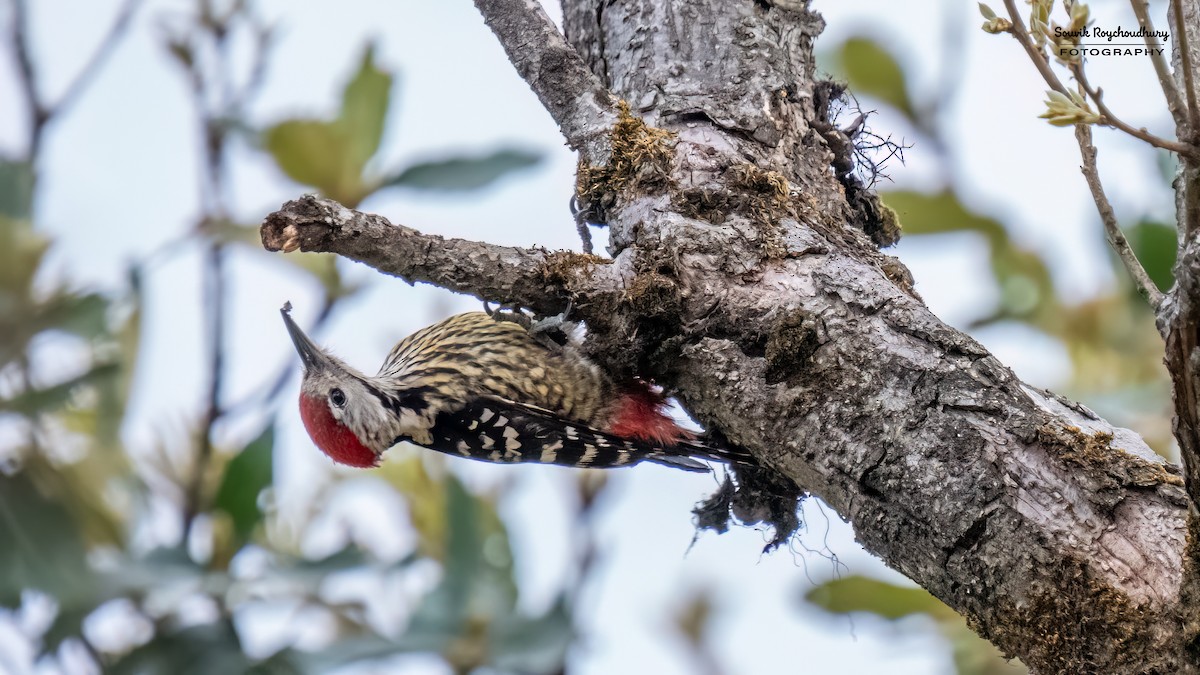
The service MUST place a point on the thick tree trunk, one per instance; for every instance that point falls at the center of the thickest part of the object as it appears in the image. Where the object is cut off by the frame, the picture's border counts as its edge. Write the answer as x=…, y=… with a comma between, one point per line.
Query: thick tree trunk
x=742, y=278
x=1058, y=537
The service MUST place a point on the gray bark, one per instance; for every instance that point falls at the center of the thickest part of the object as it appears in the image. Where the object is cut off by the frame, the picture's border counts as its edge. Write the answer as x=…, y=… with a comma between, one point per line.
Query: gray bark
x=742, y=279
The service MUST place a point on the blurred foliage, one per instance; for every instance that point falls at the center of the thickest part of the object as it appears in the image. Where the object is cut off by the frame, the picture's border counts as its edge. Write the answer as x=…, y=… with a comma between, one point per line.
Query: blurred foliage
x=333, y=155
x=1114, y=349
x=76, y=504
x=870, y=70
x=863, y=595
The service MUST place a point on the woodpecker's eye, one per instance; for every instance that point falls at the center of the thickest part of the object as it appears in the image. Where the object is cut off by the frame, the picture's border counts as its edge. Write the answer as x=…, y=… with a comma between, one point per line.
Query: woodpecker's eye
x=337, y=398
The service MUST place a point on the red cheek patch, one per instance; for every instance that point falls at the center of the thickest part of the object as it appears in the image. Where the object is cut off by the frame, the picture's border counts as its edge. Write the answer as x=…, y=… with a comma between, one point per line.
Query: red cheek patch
x=332, y=437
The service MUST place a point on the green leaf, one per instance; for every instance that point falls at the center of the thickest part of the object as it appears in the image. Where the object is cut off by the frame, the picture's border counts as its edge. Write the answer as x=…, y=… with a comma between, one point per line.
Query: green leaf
x=1026, y=286
x=21, y=251
x=477, y=585
x=332, y=155
x=463, y=173
x=364, y=109
x=245, y=477
x=939, y=213
x=42, y=546
x=17, y=181
x=533, y=645
x=83, y=315
x=1155, y=245
x=317, y=154
x=209, y=649
x=870, y=69
x=54, y=397
x=864, y=594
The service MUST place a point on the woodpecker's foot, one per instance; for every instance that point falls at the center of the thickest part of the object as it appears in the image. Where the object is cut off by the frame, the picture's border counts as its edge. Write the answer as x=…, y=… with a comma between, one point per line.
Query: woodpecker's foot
x=510, y=314
x=556, y=322
x=554, y=330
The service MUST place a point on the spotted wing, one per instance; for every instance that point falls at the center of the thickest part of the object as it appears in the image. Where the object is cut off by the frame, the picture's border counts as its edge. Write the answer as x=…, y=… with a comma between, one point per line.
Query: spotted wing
x=494, y=429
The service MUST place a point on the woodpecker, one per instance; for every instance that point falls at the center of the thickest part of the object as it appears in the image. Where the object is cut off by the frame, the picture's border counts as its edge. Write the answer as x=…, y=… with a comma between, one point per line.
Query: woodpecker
x=490, y=390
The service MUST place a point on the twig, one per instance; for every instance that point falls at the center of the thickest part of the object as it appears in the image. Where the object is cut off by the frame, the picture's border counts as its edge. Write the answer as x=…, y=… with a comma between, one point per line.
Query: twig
x=1185, y=60
x=40, y=112
x=1174, y=102
x=27, y=74
x=99, y=56
x=583, y=107
x=530, y=277
x=1107, y=118
x=1112, y=230
x=1035, y=54
x=213, y=118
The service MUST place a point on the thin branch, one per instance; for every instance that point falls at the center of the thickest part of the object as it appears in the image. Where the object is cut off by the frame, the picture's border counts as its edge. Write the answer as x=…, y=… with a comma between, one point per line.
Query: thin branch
x=485, y=271
x=1112, y=230
x=107, y=45
x=1107, y=118
x=1185, y=60
x=1035, y=54
x=583, y=107
x=1179, y=112
x=27, y=74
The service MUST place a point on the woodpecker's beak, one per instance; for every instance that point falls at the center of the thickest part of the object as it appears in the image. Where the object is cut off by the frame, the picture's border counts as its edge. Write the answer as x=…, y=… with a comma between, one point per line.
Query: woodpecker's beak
x=312, y=356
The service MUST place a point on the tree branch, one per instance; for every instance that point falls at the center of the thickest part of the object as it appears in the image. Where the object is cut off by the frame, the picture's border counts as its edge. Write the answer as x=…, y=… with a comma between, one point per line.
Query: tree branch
x=1107, y=117
x=1112, y=229
x=486, y=271
x=1179, y=111
x=107, y=44
x=1035, y=55
x=583, y=107
x=1185, y=66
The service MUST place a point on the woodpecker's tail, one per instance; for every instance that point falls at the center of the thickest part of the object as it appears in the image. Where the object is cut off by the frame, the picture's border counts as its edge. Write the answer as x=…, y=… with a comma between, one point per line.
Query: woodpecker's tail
x=715, y=450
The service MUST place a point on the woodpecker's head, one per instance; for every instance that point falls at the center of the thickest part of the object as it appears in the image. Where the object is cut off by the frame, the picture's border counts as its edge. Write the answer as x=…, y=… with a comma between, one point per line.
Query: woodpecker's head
x=341, y=410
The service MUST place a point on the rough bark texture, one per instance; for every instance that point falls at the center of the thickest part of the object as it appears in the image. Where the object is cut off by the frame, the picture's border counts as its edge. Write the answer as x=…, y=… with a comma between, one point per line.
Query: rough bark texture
x=743, y=278
x=1179, y=315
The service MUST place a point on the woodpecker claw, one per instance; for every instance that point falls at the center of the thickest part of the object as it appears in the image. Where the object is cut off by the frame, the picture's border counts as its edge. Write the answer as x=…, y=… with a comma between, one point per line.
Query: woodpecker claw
x=558, y=321
x=553, y=331
x=510, y=314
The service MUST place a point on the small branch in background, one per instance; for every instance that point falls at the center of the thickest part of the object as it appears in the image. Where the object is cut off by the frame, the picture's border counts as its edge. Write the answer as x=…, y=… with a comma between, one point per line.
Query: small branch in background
x=583, y=107
x=40, y=112
x=1111, y=120
x=1112, y=229
x=216, y=100
x=1185, y=60
x=35, y=107
x=1035, y=55
x=107, y=44
x=1022, y=36
x=1175, y=102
